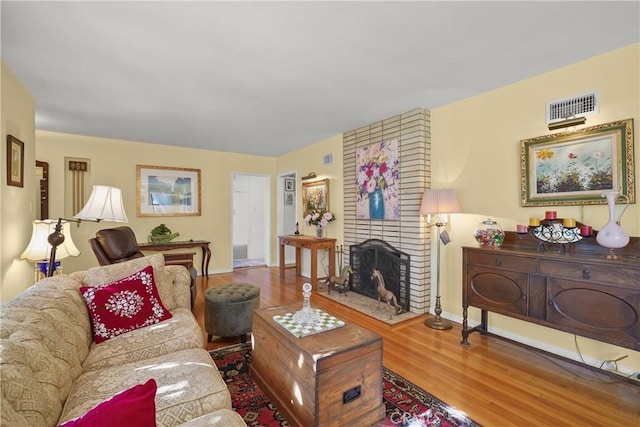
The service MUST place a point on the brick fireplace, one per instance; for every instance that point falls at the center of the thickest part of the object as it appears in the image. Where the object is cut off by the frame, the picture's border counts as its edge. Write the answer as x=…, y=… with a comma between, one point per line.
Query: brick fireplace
x=408, y=233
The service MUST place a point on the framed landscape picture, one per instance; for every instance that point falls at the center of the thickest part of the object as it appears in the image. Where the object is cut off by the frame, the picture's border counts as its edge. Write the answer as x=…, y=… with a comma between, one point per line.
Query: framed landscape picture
x=574, y=168
x=15, y=161
x=167, y=191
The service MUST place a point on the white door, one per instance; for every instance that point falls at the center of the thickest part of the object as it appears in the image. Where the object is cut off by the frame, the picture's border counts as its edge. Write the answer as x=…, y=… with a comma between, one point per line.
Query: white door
x=250, y=217
x=240, y=229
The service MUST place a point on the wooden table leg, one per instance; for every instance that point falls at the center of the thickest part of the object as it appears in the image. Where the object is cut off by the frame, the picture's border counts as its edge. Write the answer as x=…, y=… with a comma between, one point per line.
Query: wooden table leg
x=206, y=254
x=332, y=262
x=314, y=268
x=281, y=260
x=298, y=261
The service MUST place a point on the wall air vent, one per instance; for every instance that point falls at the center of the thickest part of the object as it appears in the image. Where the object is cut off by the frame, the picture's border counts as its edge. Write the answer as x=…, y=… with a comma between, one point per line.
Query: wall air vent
x=581, y=105
x=327, y=159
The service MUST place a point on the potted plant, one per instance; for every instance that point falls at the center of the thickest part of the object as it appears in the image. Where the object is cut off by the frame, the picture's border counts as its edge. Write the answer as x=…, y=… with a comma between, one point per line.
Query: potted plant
x=162, y=234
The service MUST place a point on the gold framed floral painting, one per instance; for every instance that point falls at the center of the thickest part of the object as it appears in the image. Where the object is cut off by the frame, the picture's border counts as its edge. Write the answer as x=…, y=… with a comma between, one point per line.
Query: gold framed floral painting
x=315, y=196
x=574, y=168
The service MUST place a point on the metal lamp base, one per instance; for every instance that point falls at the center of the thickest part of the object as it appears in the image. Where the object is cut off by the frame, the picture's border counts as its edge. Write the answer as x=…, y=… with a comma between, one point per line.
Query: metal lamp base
x=438, y=322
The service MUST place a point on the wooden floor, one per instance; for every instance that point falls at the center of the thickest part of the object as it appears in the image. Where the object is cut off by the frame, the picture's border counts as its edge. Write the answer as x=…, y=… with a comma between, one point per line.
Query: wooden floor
x=493, y=381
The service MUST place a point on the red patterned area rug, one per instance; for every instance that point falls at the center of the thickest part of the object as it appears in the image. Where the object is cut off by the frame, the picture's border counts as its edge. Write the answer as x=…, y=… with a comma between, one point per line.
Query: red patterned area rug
x=406, y=404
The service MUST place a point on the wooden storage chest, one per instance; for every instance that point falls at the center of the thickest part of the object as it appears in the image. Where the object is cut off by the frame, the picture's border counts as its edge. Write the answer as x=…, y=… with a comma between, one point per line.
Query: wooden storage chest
x=332, y=378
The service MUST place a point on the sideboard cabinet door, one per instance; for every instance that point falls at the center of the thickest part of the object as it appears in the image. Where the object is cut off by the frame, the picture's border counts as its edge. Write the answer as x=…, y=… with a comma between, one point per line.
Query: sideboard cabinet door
x=503, y=292
x=600, y=312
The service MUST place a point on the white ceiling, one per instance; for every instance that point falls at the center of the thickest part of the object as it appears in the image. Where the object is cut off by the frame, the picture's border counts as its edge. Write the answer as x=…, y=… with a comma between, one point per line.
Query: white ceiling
x=269, y=77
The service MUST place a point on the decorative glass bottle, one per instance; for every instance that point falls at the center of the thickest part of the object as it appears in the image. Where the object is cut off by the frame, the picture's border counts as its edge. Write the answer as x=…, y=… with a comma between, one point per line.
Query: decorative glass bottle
x=489, y=234
x=612, y=235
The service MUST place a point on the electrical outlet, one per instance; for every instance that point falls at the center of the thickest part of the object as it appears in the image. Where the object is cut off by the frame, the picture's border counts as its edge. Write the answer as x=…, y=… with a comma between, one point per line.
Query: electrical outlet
x=609, y=365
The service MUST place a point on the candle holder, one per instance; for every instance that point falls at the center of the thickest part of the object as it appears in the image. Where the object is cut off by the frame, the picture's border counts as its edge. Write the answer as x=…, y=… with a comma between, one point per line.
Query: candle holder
x=553, y=231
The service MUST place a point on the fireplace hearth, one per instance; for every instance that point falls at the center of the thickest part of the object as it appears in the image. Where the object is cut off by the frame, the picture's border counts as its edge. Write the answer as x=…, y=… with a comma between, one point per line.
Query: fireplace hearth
x=391, y=262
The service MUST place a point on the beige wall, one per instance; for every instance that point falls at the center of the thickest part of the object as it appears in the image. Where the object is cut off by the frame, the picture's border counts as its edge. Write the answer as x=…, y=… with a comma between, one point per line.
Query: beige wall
x=17, y=209
x=475, y=147
x=309, y=159
x=475, y=150
x=113, y=162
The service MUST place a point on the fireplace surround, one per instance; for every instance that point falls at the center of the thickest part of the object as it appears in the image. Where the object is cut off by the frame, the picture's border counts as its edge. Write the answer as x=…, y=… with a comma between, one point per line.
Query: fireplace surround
x=394, y=265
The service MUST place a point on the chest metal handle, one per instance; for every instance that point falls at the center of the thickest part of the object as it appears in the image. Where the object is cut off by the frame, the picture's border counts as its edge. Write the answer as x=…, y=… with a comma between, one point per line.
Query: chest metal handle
x=585, y=274
x=498, y=261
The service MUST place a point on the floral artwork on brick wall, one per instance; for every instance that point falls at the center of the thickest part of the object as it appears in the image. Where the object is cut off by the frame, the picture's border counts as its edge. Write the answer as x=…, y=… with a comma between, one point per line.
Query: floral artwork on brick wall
x=377, y=181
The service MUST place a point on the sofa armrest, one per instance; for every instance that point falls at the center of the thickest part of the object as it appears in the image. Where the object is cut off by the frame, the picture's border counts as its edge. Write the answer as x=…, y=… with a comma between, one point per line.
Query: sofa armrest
x=180, y=279
x=80, y=276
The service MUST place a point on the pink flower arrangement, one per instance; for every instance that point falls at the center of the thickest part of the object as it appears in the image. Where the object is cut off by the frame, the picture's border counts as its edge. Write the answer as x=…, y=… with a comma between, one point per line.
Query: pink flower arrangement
x=319, y=218
x=376, y=167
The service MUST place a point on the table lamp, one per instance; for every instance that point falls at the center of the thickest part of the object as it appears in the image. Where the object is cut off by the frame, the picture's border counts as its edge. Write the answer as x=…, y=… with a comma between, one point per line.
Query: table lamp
x=439, y=203
x=39, y=250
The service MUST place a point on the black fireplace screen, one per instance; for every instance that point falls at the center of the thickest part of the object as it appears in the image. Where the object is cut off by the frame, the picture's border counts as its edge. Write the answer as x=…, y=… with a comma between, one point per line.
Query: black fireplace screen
x=391, y=262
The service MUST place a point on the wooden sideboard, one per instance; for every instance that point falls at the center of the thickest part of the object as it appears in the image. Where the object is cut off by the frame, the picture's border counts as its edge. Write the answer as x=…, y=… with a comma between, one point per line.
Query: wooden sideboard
x=574, y=288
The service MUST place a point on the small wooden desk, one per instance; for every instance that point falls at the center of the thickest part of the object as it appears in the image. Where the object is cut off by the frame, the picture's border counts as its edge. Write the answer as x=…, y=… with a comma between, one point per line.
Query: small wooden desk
x=203, y=244
x=300, y=241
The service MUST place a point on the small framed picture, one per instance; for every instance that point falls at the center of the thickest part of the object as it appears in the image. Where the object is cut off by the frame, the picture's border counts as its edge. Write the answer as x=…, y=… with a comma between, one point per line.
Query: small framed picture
x=15, y=161
x=289, y=184
x=288, y=199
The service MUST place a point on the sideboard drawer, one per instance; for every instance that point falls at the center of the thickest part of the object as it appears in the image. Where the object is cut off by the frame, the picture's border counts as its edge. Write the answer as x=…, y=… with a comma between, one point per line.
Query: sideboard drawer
x=495, y=258
x=590, y=272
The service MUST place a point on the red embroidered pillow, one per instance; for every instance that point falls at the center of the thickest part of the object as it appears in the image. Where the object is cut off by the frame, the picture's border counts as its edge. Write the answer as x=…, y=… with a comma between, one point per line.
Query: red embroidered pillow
x=133, y=407
x=124, y=305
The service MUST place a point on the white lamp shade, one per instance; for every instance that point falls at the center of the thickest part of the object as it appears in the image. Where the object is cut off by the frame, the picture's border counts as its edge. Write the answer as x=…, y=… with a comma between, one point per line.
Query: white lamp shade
x=439, y=202
x=104, y=204
x=39, y=247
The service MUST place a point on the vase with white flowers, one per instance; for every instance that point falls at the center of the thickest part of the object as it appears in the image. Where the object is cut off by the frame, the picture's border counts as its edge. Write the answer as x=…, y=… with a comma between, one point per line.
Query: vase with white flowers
x=320, y=219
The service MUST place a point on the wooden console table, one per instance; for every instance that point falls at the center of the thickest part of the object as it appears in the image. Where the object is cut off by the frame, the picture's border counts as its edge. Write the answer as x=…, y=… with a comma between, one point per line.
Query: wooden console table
x=300, y=241
x=203, y=244
x=576, y=289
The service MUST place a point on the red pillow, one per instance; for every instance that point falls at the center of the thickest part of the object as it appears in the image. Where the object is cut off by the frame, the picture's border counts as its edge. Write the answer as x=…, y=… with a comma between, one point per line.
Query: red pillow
x=133, y=407
x=124, y=305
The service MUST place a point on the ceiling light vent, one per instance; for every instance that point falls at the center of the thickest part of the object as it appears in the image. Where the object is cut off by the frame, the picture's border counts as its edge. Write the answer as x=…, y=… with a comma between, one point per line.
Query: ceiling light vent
x=582, y=105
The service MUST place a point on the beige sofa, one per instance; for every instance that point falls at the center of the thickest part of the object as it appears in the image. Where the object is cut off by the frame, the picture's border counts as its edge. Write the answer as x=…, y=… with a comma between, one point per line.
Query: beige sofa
x=52, y=371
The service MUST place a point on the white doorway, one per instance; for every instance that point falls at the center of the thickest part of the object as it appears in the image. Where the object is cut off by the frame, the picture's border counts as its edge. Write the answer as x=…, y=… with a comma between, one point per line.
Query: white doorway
x=286, y=210
x=250, y=220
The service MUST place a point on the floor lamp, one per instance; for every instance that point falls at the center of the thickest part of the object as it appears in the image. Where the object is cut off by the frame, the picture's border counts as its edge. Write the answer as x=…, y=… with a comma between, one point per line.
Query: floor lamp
x=104, y=204
x=439, y=203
